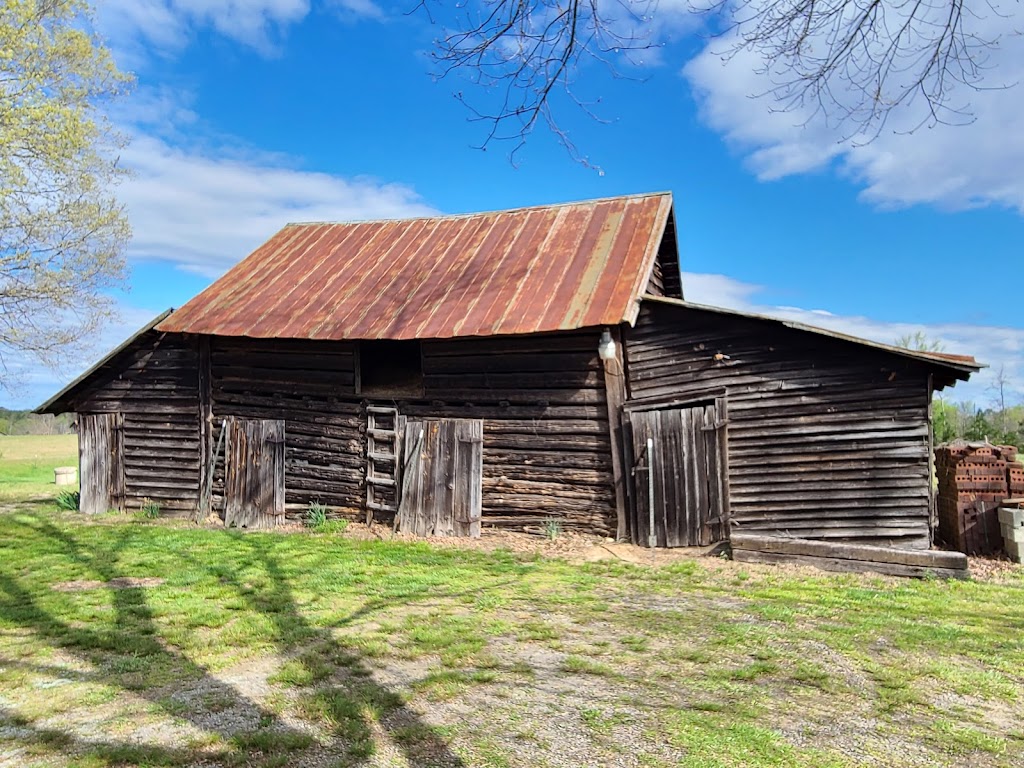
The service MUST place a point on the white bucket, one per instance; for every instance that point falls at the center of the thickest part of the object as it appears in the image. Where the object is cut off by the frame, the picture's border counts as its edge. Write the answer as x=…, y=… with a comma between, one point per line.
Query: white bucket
x=65, y=475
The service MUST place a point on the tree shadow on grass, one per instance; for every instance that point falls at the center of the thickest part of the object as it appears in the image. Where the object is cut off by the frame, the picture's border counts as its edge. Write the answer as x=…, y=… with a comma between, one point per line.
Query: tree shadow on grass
x=339, y=688
x=128, y=653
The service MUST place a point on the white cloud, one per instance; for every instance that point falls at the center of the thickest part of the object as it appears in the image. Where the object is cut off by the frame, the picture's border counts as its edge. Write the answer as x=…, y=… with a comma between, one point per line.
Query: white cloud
x=138, y=27
x=356, y=9
x=205, y=211
x=203, y=201
x=949, y=166
x=991, y=345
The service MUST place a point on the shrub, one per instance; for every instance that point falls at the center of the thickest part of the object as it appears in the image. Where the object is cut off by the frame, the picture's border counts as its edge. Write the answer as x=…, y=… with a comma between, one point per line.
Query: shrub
x=552, y=528
x=68, y=500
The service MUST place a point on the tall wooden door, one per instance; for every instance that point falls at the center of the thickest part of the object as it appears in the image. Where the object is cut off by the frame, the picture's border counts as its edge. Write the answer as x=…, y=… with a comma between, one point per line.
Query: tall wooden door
x=101, y=461
x=688, y=467
x=442, y=481
x=254, y=473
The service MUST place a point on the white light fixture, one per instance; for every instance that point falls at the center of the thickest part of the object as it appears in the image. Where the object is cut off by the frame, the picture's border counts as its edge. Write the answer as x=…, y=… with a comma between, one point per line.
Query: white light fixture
x=606, y=347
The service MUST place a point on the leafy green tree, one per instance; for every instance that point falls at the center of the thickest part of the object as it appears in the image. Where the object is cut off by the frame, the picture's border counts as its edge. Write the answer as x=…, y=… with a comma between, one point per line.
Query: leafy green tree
x=62, y=231
x=944, y=421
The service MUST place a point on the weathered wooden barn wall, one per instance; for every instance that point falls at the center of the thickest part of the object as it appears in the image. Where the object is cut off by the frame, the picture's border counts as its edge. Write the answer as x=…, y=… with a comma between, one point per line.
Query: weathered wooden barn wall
x=546, y=441
x=826, y=439
x=547, y=451
x=311, y=386
x=154, y=384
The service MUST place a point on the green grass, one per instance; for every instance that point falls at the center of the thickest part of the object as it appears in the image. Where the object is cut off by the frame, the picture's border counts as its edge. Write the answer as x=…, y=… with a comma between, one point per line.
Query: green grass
x=27, y=463
x=329, y=650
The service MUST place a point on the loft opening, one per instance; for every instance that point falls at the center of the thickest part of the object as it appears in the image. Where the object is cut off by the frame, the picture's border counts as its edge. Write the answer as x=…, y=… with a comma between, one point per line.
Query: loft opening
x=388, y=368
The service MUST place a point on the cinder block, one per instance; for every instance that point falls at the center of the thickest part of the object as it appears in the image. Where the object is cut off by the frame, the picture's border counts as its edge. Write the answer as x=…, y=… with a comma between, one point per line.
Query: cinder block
x=1011, y=517
x=1015, y=550
x=1012, y=534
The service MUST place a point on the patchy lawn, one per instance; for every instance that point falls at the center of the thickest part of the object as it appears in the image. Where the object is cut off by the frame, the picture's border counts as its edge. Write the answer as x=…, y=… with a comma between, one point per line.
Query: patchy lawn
x=27, y=463
x=126, y=642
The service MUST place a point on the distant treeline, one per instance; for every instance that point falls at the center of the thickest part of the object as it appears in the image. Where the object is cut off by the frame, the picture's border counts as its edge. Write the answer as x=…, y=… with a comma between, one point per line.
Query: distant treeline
x=1000, y=426
x=28, y=423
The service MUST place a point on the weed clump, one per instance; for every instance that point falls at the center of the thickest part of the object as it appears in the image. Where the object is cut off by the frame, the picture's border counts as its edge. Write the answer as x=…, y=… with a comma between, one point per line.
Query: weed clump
x=149, y=510
x=316, y=516
x=68, y=500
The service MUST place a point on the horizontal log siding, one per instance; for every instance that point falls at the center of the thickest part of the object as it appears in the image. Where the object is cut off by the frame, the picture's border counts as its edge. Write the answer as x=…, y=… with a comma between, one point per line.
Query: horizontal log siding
x=547, y=451
x=311, y=386
x=826, y=440
x=546, y=445
x=155, y=385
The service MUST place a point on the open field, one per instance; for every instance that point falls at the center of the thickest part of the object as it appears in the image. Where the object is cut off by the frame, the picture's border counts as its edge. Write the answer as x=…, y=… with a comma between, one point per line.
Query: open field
x=136, y=643
x=27, y=463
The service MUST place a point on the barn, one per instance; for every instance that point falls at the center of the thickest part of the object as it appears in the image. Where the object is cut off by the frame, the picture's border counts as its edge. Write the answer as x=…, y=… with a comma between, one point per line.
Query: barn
x=508, y=369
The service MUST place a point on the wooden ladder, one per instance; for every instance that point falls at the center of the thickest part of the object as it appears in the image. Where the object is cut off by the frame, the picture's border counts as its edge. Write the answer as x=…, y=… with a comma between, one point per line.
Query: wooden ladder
x=382, y=465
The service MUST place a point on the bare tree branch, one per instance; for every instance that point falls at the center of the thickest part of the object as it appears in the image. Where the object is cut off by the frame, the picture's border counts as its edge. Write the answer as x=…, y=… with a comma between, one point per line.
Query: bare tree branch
x=855, y=62
x=526, y=50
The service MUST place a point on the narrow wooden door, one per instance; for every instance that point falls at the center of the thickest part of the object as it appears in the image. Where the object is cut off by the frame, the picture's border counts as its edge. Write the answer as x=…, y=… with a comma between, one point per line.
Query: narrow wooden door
x=688, y=465
x=254, y=473
x=442, y=482
x=101, y=462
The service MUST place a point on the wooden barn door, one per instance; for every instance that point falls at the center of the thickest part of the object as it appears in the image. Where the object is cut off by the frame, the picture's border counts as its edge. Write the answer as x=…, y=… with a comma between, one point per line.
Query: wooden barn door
x=101, y=461
x=442, y=482
x=254, y=473
x=688, y=467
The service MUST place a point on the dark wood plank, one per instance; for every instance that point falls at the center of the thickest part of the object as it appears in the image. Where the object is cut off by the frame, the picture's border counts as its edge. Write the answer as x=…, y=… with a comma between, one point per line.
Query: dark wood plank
x=850, y=566
x=468, y=491
x=798, y=546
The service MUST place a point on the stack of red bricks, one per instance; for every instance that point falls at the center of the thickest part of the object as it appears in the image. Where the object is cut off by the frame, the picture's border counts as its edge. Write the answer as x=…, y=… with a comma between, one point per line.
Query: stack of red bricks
x=974, y=479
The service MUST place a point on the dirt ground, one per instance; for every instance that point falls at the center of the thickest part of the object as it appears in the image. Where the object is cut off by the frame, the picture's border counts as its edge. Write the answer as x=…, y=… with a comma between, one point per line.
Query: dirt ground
x=584, y=548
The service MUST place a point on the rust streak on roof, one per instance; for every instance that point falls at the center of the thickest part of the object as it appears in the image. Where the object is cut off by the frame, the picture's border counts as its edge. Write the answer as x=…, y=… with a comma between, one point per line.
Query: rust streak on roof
x=528, y=270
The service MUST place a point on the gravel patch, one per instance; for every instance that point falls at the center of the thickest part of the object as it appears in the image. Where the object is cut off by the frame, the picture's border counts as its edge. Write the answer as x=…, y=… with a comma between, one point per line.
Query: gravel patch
x=121, y=582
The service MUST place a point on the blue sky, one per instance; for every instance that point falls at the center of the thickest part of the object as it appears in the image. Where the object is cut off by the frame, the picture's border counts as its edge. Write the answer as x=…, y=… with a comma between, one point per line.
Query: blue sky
x=252, y=113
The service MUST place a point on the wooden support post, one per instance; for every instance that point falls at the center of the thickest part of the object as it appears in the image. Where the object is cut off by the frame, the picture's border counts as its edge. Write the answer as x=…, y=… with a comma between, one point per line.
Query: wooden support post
x=933, y=517
x=615, y=396
x=722, y=406
x=206, y=468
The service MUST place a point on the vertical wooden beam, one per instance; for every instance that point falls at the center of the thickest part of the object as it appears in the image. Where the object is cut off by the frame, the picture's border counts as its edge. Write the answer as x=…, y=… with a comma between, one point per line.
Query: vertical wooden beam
x=722, y=414
x=615, y=396
x=932, y=516
x=357, y=368
x=206, y=470
x=118, y=492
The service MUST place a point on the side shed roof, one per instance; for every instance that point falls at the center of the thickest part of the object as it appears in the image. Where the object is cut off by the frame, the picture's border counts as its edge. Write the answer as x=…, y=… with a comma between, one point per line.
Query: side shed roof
x=530, y=270
x=950, y=367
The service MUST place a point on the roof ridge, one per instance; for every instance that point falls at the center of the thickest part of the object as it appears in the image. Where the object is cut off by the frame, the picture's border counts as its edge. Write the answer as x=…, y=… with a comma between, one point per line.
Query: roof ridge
x=542, y=207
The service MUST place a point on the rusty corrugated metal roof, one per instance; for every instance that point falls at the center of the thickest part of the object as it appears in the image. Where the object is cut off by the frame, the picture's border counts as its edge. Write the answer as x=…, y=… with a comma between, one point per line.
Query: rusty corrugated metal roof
x=549, y=268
